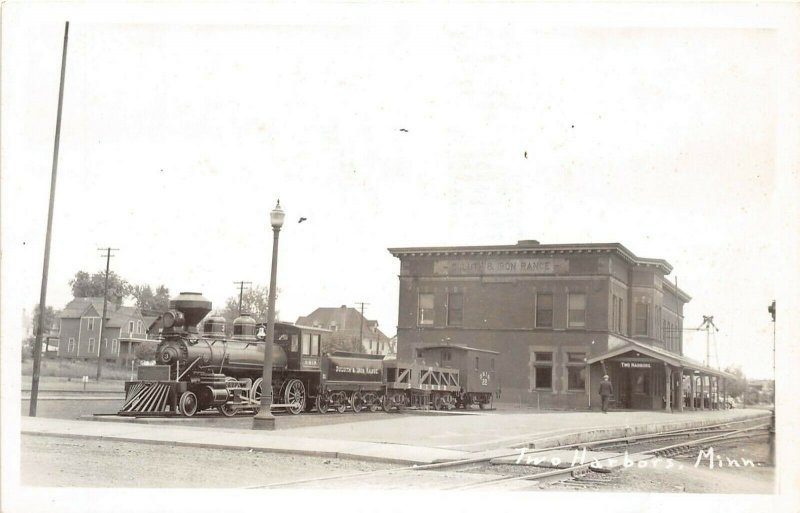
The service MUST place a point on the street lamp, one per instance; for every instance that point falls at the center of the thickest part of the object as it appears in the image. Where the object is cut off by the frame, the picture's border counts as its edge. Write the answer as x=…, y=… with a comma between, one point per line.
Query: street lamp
x=264, y=418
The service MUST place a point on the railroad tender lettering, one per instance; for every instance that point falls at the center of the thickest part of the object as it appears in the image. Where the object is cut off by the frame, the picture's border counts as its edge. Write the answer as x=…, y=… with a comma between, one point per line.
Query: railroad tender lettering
x=356, y=370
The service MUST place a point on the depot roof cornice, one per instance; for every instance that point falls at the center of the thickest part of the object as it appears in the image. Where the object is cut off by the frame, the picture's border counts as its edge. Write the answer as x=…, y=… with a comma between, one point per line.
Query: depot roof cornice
x=533, y=249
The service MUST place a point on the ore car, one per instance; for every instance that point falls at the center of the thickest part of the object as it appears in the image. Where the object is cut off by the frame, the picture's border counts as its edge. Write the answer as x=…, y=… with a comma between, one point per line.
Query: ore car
x=477, y=379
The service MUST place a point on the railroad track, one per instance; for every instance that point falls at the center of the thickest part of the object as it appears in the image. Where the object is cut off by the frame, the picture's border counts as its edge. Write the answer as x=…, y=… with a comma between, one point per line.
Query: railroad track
x=582, y=471
x=578, y=475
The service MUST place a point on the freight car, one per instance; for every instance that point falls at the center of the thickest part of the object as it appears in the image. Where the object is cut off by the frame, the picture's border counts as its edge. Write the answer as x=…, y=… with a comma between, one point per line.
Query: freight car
x=202, y=369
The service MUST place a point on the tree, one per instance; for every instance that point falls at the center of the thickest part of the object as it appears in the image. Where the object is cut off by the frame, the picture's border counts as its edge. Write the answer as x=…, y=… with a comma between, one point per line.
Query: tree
x=146, y=350
x=736, y=388
x=146, y=299
x=86, y=285
x=350, y=344
x=50, y=320
x=255, y=301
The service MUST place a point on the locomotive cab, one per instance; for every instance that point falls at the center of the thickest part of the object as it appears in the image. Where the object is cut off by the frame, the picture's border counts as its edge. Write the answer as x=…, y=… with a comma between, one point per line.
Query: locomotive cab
x=302, y=344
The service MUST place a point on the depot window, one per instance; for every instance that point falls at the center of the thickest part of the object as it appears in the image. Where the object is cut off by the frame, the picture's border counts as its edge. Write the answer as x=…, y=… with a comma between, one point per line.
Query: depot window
x=544, y=310
x=306, y=343
x=577, y=310
x=91, y=345
x=314, y=345
x=616, y=313
x=90, y=323
x=543, y=371
x=71, y=345
x=576, y=371
x=425, y=309
x=455, y=308
x=642, y=318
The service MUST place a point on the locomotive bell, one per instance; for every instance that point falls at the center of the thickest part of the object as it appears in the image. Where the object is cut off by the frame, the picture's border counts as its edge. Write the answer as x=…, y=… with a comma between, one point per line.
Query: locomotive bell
x=193, y=306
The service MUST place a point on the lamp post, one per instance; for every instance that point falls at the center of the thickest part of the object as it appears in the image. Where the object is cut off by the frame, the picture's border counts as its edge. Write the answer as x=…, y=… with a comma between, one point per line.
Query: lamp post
x=264, y=419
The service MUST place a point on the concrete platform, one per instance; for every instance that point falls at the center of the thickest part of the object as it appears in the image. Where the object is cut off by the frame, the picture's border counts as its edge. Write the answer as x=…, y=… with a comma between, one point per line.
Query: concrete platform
x=402, y=439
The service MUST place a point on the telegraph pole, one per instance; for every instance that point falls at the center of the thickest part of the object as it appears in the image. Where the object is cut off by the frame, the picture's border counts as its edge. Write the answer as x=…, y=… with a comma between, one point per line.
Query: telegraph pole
x=241, y=292
x=37, y=346
x=103, y=318
x=361, y=332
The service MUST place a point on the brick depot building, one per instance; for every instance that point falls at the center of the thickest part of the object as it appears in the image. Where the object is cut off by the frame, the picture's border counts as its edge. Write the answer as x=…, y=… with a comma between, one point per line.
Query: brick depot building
x=560, y=315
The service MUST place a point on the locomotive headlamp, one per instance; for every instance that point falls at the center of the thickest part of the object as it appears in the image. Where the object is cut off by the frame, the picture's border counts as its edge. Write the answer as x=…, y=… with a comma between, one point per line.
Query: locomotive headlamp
x=172, y=319
x=276, y=216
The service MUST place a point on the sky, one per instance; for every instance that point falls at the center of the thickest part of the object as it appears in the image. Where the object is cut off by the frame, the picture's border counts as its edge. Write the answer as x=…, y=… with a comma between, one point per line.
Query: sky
x=180, y=133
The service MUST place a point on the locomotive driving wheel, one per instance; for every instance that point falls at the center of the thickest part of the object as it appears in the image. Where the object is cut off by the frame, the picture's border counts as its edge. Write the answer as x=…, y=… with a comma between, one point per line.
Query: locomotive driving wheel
x=188, y=403
x=356, y=402
x=255, y=395
x=295, y=394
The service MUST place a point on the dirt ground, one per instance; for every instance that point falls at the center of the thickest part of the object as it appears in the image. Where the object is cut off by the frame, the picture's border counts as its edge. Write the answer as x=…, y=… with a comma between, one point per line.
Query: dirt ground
x=58, y=462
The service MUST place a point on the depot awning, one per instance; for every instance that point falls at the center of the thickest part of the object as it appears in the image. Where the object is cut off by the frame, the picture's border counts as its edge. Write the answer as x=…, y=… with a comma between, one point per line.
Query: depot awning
x=620, y=346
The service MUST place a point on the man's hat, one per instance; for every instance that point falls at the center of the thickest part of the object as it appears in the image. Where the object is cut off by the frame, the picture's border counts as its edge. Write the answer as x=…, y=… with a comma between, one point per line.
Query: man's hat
x=605, y=375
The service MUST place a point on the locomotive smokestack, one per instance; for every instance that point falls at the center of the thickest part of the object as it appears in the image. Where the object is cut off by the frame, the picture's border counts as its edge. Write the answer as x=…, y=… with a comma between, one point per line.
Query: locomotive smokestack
x=193, y=306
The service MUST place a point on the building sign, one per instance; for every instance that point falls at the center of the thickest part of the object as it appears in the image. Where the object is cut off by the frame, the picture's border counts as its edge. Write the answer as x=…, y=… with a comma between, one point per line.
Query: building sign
x=634, y=365
x=501, y=266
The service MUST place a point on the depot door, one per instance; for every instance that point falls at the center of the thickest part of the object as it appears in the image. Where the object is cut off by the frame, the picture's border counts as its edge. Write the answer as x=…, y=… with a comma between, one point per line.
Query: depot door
x=624, y=388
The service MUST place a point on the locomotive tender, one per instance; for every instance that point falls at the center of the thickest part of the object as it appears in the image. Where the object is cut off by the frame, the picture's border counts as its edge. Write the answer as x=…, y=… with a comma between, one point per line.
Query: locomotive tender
x=201, y=369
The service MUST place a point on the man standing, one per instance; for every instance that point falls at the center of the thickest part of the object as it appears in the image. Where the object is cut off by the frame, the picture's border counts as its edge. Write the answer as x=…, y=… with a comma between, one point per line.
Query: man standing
x=606, y=391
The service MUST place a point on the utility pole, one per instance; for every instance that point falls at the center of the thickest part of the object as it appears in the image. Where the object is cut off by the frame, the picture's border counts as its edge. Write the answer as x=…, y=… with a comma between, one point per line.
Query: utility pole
x=241, y=292
x=37, y=346
x=361, y=332
x=103, y=318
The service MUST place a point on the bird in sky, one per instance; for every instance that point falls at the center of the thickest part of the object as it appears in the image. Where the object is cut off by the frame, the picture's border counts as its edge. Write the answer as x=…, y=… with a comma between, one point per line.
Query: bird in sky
x=526, y=154
x=403, y=130
x=301, y=220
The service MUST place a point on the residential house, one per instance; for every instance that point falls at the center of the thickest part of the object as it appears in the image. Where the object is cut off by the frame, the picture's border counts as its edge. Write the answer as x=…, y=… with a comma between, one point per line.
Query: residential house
x=347, y=325
x=79, y=332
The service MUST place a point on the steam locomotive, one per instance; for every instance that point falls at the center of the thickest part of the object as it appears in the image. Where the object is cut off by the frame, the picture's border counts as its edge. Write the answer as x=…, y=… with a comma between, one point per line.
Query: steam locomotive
x=198, y=370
